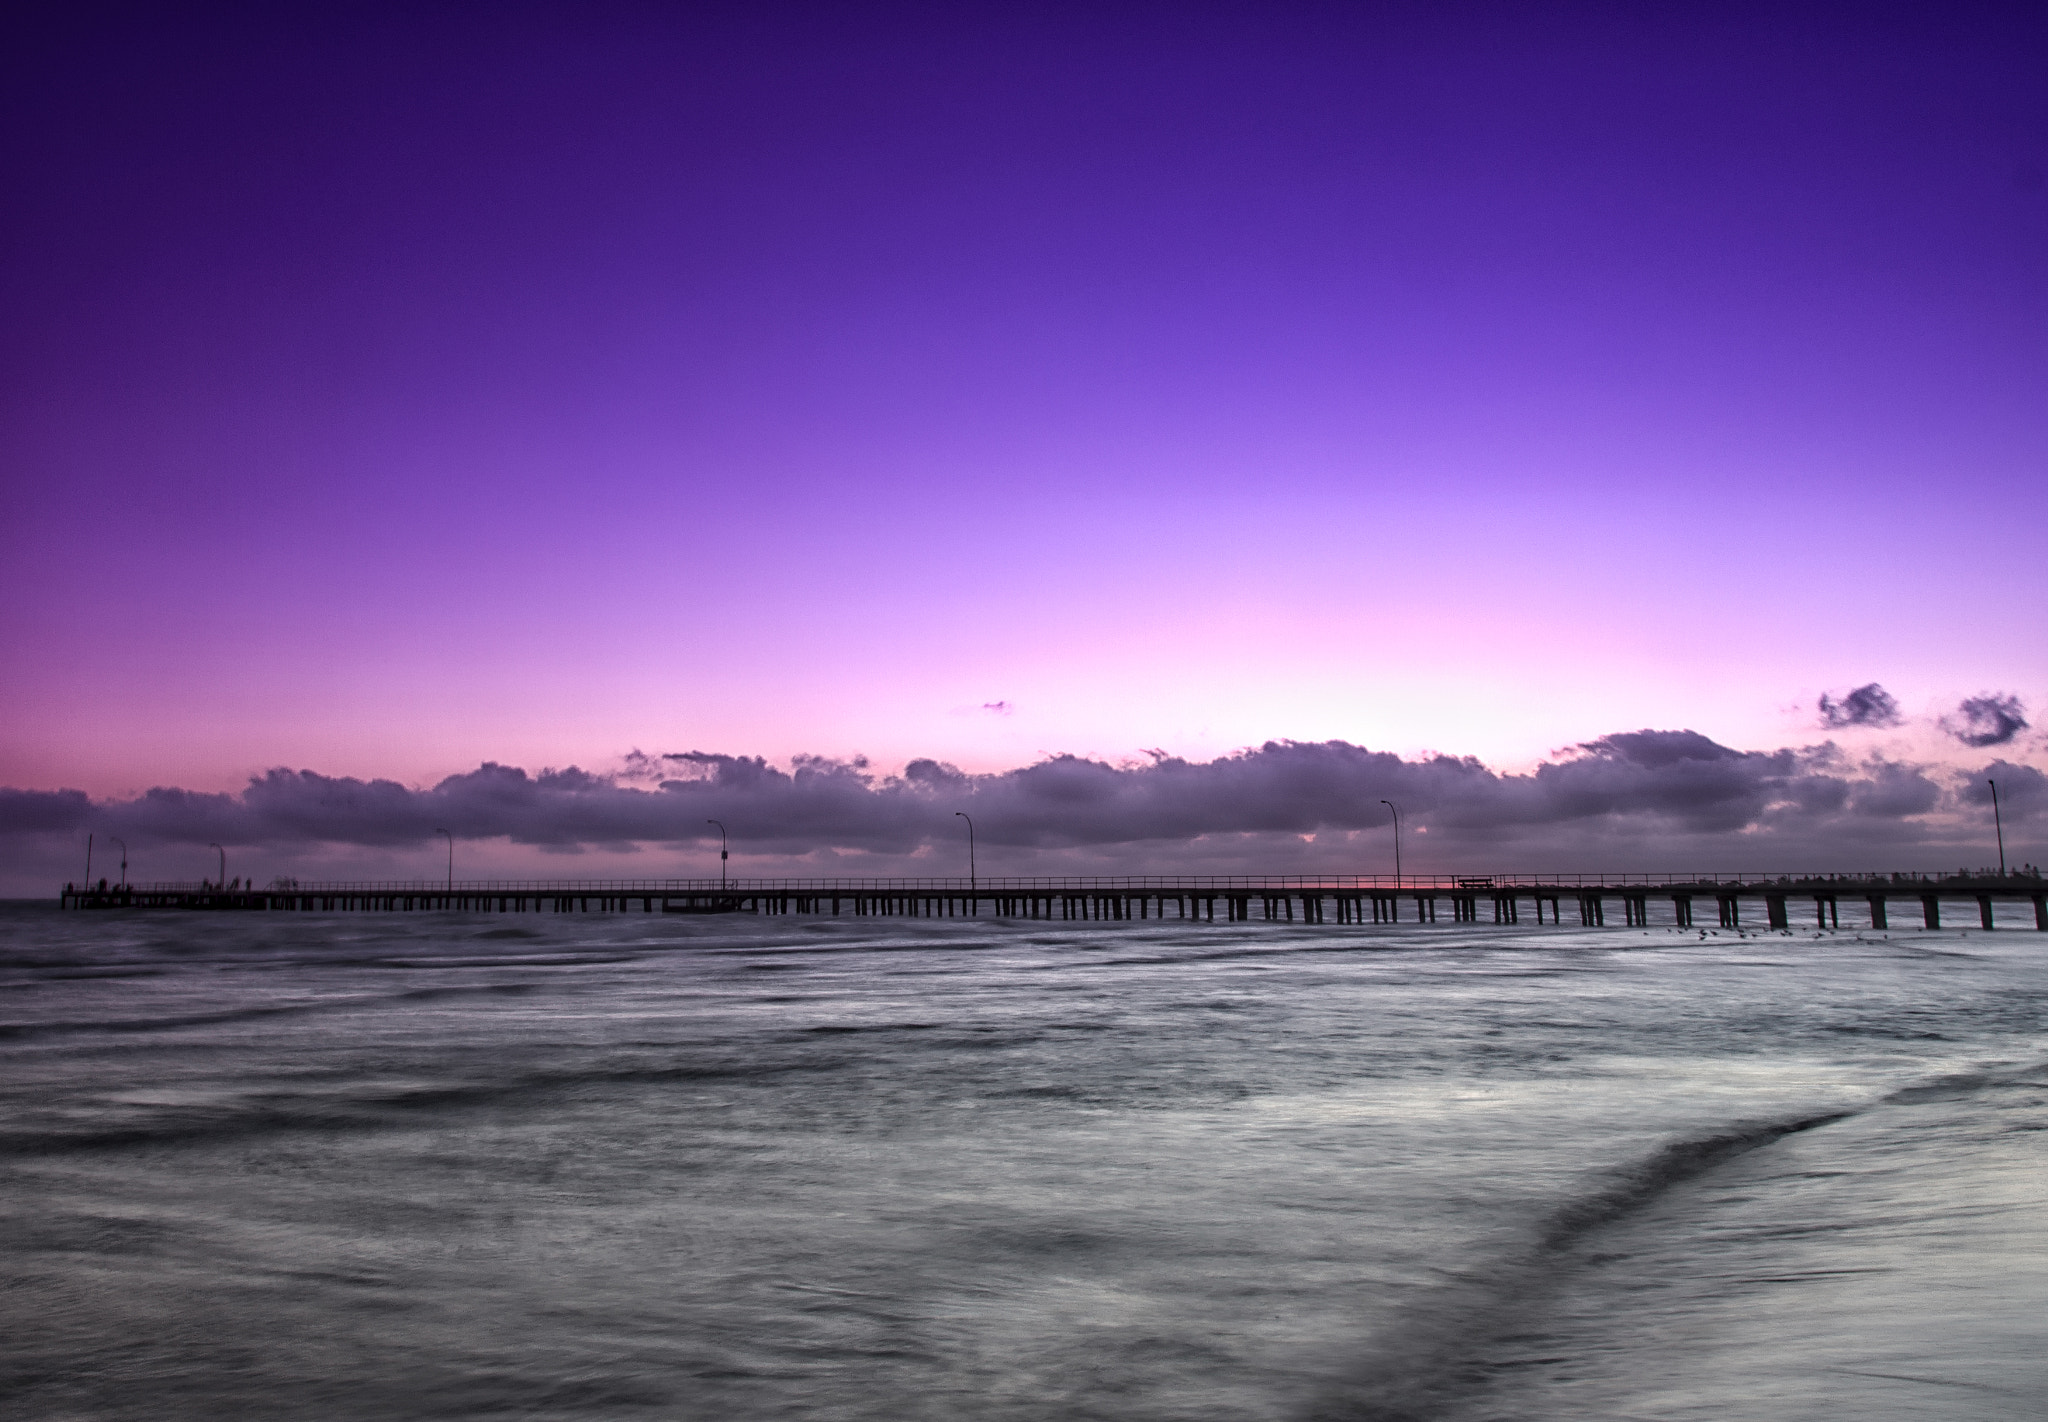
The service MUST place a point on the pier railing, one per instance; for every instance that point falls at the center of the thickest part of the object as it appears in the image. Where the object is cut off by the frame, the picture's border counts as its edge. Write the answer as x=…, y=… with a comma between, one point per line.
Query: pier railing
x=1185, y=883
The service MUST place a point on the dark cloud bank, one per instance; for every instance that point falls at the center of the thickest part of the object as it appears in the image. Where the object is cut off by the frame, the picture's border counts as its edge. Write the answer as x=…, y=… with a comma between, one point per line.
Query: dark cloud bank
x=1628, y=800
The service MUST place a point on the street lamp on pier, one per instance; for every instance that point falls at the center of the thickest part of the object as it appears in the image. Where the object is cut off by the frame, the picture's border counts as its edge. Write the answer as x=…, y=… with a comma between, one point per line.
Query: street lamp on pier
x=451, y=857
x=1999, y=824
x=973, y=880
x=1397, y=840
x=124, y=858
x=721, y=853
x=223, y=866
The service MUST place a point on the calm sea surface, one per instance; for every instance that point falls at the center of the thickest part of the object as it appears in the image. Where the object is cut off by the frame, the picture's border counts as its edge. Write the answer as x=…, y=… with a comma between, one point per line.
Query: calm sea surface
x=416, y=1166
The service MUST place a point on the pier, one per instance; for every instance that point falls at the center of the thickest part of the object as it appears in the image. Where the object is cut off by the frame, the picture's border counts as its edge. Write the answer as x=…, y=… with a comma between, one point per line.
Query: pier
x=1739, y=901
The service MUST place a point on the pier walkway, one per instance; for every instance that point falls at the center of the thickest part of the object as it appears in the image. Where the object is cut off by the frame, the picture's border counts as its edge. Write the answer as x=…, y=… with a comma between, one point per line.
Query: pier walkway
x=1357, y=899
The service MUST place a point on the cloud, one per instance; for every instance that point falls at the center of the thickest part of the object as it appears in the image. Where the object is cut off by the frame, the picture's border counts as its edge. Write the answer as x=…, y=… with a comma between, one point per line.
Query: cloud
x=1869, y=705
x=1992, y=719
x=43, y=811
x=1628, y=791
x=1890, y=791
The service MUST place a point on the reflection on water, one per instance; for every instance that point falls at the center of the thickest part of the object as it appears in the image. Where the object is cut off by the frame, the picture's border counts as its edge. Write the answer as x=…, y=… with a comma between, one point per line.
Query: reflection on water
x=418, y=1166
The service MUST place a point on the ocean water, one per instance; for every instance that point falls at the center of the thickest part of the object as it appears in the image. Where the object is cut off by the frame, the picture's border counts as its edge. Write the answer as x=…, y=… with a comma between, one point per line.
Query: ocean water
x=424, y=1166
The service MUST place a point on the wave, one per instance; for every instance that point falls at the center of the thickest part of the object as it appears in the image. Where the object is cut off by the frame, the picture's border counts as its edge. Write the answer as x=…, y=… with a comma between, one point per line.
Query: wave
x=793, y=1051
x=375, y=1110
x=1432, y=1359
x=23, y=1031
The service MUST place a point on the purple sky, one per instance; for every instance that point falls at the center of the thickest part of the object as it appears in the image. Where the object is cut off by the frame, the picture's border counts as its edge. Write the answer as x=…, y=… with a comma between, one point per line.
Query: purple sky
x=388, y=394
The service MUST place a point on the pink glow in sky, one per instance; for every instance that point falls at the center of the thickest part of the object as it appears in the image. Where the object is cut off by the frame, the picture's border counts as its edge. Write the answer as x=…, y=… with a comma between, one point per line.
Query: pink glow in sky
x=386, y=394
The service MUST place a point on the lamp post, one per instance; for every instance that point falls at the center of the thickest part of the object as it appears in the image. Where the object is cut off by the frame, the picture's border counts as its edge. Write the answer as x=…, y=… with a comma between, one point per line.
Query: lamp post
x=973, y=880
x=223, y=866
x=721, y=853
x=1397, y=840
x=88, y=861
x=2000, y=824
x=124, y=858
x=451, y=858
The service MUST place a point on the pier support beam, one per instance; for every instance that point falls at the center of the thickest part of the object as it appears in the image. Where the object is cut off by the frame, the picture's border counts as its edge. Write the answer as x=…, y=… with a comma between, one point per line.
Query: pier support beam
x=1930, y=910
x=1984, y=909
x=1681, y=909
x=1877, y=914
x=1774, y=910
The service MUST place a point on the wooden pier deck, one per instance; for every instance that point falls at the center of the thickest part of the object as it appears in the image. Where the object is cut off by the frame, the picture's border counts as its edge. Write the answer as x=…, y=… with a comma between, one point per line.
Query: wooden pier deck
x=1360, y=899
